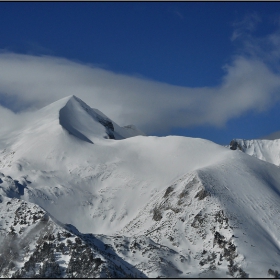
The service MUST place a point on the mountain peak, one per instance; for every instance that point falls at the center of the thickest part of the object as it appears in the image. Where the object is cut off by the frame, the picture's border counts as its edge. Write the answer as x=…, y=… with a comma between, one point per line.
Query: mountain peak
x=84, y=122
x=74, y=98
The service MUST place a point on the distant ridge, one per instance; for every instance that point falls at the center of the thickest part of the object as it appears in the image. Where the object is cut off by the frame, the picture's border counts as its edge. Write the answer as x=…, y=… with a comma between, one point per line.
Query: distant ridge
x=263, y=149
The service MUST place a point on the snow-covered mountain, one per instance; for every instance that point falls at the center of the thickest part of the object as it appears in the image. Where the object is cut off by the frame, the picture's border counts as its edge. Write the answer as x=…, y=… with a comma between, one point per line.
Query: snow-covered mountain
x=84, y=197
x=267, y=150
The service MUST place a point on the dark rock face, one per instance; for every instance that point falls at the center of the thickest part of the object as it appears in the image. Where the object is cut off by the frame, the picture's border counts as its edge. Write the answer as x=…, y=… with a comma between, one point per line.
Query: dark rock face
x=219, y=239
x=108, y=125
x=157, y=214
x=273, y=273
x=198, y=220
x=229, y=253
x=234, y=145
x=220, y=217
x=168, y=191
x=202, y=194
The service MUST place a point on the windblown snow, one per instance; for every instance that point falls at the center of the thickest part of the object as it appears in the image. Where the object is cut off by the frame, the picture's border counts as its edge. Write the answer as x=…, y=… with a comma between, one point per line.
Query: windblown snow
x=83, y=197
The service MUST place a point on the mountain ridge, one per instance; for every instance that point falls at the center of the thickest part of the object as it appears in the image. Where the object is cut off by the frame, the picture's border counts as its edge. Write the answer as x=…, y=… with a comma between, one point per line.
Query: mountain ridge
x=263, y=149
x=141, y=206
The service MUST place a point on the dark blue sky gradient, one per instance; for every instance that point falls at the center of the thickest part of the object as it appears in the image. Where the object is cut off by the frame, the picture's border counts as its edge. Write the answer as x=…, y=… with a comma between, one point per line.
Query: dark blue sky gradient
x=177, y=43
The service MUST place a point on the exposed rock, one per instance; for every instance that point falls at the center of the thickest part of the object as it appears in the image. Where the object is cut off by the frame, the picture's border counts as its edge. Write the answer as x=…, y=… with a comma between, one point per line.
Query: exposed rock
x=202, y=194
x=273, y=273
x=157, y=214
x=234, y=145
x=168, y=191
x=198, y=220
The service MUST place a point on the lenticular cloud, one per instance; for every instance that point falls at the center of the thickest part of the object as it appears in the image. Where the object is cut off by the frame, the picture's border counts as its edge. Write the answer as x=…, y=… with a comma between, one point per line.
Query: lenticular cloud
x=35, y=81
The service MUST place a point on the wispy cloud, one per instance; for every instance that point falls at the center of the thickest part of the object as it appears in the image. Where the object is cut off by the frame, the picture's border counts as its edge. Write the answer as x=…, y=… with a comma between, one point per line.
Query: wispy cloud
x=246, y=25
x=265, y=47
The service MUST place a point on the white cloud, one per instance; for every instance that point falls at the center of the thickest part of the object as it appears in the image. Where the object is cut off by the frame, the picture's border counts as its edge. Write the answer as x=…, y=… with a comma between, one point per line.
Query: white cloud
x=154, y=107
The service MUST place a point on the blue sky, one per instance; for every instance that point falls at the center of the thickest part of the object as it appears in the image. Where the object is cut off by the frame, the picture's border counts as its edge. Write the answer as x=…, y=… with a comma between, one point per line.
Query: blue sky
x=198, y=69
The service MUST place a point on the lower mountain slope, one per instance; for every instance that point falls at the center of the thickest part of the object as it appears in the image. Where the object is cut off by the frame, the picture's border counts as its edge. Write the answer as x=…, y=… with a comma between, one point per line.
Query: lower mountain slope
x=34, y=245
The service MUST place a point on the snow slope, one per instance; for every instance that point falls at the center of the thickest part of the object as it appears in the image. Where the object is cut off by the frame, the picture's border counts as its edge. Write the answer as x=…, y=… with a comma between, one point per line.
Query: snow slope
x=168, y=206
x=66, y=169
